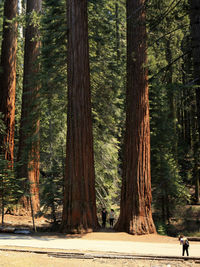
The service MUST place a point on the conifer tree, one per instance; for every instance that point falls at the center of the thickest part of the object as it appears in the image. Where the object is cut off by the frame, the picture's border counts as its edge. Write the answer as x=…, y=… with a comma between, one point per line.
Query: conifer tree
x=107, y=38
x=135, y=208
x=79, y=210
x=53, y=97
x=28, y=151
x=8, y=78
x=170, y=102
x=195, y=36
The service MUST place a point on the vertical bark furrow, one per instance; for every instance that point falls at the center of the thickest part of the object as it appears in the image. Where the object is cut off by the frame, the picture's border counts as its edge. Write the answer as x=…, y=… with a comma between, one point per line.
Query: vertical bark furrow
x=28, y=153
x=135, y=215
x=79, y=211
x=8, y=78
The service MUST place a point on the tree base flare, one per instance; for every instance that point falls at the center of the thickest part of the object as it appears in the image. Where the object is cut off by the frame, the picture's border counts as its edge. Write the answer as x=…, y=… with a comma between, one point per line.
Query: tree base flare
x=137, y=226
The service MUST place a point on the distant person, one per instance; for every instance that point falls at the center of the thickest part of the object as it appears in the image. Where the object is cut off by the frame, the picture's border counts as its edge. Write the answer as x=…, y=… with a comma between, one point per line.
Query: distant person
x=104, y=215
x=111, y=217
x=185, y=243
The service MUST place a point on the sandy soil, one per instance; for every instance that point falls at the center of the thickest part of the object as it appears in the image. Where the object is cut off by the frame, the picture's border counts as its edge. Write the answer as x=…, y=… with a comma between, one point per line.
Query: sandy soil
x=121, y=236
x=26, y=222
x=19, y=259
x=9, y=259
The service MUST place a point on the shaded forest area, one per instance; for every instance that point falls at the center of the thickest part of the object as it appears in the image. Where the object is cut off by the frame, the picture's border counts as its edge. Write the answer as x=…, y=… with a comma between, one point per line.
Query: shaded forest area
x=100, y=107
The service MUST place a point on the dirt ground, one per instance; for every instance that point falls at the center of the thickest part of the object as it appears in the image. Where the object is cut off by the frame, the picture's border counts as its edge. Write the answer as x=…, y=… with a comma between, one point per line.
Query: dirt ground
x=18, y=259
x=26, y=222
x=9, y=259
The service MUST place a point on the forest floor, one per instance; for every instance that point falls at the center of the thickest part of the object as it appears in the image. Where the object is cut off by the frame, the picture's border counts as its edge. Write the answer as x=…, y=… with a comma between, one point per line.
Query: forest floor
x=98, y=242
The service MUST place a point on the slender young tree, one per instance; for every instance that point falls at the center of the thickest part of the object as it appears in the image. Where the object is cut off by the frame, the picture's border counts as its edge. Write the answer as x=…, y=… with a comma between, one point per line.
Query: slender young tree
x=28, y=153
x=135, y=208
x=195, y=36
x=8, y=78
x=79, y=211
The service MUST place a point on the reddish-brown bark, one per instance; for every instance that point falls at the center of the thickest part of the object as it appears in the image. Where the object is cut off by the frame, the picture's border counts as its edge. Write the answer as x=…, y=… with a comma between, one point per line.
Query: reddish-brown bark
x=79, y=211
x=28, y=154
x=135, y=211
x=8, y=78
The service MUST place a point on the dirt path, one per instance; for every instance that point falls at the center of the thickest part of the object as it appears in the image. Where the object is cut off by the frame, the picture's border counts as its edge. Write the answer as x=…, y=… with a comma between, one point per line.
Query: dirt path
x=104, y=242
x=98, y=242
x=101, y=242
x=9, y=259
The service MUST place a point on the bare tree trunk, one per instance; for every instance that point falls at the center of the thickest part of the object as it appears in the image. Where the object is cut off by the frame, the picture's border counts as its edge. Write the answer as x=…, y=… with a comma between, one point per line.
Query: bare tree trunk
x=8, y=78
x=135, y=208
x=195, y=36
x=170, y=94
x=28, y=154
x=79, y=211
x=2, y=203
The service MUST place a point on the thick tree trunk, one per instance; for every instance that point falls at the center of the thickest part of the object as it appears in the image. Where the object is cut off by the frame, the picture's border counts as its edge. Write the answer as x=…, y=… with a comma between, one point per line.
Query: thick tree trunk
x=195, y=36
x=28, y=154
x=136, y=215
x=8, y=78
x=79, y=211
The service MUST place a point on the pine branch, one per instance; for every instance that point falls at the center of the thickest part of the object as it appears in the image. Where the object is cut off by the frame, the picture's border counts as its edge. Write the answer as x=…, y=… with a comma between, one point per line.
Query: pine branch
x=164, y=15
x=168, y=66
x=157, y=40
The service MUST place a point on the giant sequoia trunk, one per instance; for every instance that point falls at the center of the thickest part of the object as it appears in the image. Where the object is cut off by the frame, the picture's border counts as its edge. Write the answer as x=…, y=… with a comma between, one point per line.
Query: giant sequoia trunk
x=79, y=211
x=135, y=208
x=8, y=78
x=28, y=154
x=195, y=36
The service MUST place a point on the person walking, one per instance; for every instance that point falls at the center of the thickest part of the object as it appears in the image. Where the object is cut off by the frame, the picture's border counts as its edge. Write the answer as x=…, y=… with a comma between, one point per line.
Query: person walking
x=111, y=217
x=185, y=243
x=104, y=215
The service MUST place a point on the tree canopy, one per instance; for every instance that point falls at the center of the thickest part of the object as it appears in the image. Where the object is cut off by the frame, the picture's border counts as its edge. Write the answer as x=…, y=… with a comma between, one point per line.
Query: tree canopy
x=170, y=58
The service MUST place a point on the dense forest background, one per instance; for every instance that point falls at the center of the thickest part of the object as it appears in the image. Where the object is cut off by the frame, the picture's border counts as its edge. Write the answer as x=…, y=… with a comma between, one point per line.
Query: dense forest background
x=173, y=95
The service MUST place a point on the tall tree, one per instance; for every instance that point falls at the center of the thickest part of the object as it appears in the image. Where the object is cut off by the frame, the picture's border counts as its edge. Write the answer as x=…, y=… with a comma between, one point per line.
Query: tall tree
x=79, y=211
x=8, y=77
x=28, y=153
x=107, y=68
x=53, y=128
x=135, y=214
x=195, y=36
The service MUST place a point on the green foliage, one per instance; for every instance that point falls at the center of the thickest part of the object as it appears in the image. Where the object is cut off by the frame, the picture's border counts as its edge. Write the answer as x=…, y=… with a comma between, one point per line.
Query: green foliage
x=107, y=66
x=53, y=95
x=1, y=22
x=10, y=190
x=51, y=190
x=160, y=227
x=9, y=186
x=167, y=184
x=174, y=133
x=2, y=125
x=172, y=159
